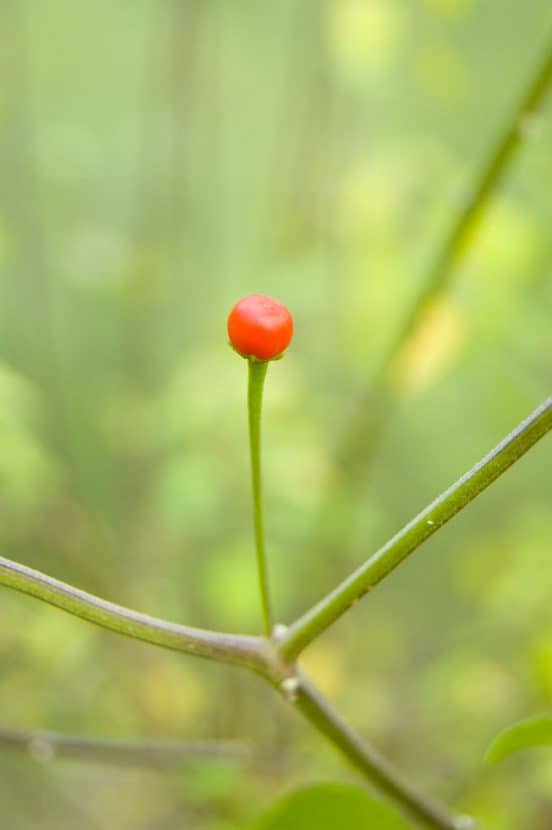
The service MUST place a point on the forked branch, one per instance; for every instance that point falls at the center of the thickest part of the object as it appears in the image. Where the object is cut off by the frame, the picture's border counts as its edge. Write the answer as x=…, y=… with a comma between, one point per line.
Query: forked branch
x=275, y=659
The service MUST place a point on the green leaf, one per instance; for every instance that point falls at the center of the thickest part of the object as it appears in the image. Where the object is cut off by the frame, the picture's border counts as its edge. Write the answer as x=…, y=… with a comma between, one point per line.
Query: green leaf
x=327, y=807
x=525, y=734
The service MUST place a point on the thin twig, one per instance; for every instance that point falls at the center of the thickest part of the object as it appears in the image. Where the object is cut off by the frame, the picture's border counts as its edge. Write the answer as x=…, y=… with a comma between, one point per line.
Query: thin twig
x=49, y=746
x=229, y=648
x=424, y=525
x=390, y=783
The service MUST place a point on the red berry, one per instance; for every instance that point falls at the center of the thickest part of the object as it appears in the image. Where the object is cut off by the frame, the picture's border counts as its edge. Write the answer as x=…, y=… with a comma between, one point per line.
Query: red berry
x=260, y=327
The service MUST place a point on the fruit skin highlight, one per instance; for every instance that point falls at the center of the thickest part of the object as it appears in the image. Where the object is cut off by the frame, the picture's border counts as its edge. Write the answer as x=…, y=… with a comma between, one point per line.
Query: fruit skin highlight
x=260, y=327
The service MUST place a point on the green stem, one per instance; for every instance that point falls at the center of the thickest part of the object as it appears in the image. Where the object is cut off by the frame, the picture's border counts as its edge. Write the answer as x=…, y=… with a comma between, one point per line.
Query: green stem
x=229, y=648
x=390, y=783
x=273, y=660
x=257, y=375
x=460, y=494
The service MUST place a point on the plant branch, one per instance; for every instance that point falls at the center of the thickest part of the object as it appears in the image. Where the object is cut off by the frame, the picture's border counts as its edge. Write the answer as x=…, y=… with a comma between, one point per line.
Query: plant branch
x=317, y=710
x=230, y=648
x=274, y=659
x=257, y=374
x=424, y=525
x=373, y=404
x=47, y=746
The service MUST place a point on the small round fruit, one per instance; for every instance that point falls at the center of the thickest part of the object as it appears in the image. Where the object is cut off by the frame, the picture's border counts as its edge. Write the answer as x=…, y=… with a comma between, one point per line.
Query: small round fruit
x=260, y=327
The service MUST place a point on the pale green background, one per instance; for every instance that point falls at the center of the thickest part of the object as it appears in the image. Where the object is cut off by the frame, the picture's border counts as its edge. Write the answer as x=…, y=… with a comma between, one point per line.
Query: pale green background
x=159, y=160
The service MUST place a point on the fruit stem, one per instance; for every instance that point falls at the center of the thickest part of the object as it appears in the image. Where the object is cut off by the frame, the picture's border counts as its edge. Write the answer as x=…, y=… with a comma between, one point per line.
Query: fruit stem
x=257, y=375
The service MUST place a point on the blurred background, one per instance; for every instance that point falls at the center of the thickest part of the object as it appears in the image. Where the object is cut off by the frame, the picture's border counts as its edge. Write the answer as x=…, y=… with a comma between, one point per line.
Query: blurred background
x=158, y=161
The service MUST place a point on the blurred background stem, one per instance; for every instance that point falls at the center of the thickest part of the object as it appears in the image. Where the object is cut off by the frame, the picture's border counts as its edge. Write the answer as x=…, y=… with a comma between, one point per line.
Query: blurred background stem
x=49, y=746
x=361, y=435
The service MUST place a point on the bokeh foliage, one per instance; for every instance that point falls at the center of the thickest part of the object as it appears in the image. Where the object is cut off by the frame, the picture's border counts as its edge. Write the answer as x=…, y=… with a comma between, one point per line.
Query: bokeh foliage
x=158, y=160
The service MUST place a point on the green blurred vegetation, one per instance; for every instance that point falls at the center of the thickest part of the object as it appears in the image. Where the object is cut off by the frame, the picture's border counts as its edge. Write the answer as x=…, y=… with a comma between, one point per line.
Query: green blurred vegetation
x=526, y=734
x=159, y=160
x=326, y=806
